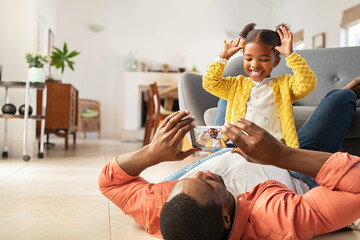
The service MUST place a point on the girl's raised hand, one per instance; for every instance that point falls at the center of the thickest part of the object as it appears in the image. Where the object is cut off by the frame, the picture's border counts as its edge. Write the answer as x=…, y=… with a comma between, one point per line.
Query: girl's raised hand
x=230, y=48
x=286, y=38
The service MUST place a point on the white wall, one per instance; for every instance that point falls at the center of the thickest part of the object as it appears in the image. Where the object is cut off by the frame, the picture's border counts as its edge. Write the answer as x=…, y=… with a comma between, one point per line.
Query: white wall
x=314, y=17
x=18, y=35
x=158, y=31
x=18, y=26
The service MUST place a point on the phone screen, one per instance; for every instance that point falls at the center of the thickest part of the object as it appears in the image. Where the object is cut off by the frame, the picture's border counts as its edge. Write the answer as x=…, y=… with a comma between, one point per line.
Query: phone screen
x=209, y=137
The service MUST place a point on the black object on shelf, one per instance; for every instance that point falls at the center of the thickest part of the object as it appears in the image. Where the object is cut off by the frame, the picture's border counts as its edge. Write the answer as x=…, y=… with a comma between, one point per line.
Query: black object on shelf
x=8, y=108
x=22, y=110
x=9, y=112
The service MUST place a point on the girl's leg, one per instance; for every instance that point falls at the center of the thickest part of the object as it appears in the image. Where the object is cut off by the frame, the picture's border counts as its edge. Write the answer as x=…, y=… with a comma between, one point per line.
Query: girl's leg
x=326, y=128
x=220, y=112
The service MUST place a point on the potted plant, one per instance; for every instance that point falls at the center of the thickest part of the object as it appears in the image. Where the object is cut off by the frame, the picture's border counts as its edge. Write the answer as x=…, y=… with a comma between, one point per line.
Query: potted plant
x=61, y=58
x=36, y=66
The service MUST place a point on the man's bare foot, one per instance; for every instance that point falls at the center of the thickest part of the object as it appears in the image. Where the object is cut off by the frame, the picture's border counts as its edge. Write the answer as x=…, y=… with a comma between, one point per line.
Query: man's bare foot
x=355, y=86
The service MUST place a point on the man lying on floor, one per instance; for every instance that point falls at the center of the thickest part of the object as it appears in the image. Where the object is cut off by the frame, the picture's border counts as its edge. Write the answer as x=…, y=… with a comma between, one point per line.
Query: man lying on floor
x=202, y=208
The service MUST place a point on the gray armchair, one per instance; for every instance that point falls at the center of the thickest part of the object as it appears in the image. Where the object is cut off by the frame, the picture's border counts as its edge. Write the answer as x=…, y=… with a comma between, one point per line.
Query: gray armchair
x=334, y=68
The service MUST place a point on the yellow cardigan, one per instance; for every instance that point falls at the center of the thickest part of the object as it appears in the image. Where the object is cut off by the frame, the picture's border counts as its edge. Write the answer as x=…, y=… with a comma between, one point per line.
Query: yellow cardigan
x=209, y=142
x=287, y=89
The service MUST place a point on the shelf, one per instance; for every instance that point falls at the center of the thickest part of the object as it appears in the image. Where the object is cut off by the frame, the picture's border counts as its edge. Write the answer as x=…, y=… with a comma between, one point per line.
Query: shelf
x=39, y=117
x=12, y=116
x=36, y=85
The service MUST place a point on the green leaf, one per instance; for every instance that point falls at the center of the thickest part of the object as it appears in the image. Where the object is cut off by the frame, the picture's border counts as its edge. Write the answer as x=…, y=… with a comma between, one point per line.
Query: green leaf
x=61, y=58
x=71, y=66
x=58, y=50
x=73, y=54
x=65, y=49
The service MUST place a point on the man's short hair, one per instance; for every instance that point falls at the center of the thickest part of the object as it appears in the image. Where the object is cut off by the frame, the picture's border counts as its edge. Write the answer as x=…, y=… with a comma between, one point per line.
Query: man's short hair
x=184, y=218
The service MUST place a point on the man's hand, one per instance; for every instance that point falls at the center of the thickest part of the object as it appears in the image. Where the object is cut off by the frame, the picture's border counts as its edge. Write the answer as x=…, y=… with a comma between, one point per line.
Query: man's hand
x=165, y=145
x=257, y=145
x=230, y=48
x=286, y=38
x=253, y=143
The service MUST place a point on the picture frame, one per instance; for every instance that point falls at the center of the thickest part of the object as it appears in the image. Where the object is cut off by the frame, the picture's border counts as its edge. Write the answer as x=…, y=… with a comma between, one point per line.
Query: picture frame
x=200, y=136
x=298, y=40
x=319, y=40
x=51, y=41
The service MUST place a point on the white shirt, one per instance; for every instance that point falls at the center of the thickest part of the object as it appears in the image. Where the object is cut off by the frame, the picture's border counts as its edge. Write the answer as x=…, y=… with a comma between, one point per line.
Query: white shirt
x=216, y=143
x=261, y=108
x=241, y=176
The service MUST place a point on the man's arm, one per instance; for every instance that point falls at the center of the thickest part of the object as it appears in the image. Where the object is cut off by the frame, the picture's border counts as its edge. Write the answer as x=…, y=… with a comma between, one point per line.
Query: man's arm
x=120, y=183
x=259, y=146
x=329, y=207
x=163, y=147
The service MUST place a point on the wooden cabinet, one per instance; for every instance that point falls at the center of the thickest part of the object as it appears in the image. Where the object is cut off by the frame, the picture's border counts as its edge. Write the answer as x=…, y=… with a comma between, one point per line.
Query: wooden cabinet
x=61, y=110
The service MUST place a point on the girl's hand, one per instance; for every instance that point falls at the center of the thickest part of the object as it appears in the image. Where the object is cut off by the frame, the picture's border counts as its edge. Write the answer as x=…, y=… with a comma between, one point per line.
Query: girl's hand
x=230, y=48
x=286, y=38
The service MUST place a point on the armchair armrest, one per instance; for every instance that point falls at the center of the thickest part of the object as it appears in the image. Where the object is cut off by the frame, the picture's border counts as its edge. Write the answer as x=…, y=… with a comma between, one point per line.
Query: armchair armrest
x=194, y=98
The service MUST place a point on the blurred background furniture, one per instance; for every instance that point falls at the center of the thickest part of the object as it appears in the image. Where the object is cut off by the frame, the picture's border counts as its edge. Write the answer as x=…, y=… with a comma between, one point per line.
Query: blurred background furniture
x=40, y=117
x=169, y=94
x=333, y=67
x=150, y=109
x=155, y=112
x=89, y=116
x=61, y=110
x=135, y=84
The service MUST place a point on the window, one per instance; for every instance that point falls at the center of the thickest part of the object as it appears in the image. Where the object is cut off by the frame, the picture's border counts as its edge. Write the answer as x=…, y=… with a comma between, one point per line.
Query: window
x=354, y=35
x=350, y=23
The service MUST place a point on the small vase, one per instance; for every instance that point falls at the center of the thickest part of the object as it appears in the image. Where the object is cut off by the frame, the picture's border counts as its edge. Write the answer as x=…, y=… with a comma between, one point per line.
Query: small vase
x=36, y=75
x=130, y=62
x=55, y=75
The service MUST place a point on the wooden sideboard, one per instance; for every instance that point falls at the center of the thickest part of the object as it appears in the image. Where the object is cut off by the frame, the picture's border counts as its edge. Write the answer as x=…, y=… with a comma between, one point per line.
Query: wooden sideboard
x=61, y=110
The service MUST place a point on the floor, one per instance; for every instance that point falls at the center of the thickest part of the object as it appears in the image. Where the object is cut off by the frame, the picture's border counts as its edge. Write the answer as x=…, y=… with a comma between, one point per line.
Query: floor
x=58, y=198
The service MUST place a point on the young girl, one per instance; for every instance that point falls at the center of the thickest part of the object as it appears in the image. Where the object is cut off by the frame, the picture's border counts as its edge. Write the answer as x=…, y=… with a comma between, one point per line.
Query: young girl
x=260, y=98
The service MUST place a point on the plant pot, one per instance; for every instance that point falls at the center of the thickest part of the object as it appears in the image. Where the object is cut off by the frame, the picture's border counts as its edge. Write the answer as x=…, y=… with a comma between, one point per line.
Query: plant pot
x=55, y=75
x=36, y=75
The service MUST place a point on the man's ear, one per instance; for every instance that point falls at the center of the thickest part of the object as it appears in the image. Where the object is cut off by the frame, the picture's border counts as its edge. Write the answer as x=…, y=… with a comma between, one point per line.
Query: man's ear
x=226, y=220
x=277, y=61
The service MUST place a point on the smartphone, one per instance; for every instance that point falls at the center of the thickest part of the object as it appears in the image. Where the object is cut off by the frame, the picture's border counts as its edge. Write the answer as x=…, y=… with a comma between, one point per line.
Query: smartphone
x=209, y=137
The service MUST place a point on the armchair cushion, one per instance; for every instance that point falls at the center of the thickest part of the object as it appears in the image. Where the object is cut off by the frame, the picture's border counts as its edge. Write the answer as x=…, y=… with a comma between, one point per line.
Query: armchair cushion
x=89, y=113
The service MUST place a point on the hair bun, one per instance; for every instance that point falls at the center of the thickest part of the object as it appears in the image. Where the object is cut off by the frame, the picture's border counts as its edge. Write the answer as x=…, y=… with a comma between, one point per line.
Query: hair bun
x=282, y=25
x=248, y=28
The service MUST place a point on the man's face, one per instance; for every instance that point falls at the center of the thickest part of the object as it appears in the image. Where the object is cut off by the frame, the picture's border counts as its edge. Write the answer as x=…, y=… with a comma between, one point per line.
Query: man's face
x=203, y=187
x=259, y=60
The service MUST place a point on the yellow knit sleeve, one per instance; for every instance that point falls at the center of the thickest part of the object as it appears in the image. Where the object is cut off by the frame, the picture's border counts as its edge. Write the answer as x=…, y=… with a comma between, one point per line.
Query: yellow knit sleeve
x=201, y=138
x=214, y=83
x=303, y=82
